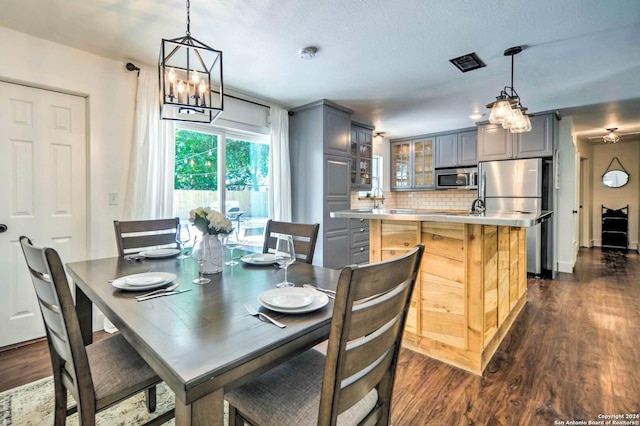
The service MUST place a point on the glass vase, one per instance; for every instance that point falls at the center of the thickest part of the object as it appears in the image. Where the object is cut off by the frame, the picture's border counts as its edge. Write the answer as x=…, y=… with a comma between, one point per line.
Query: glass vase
x=213, y=265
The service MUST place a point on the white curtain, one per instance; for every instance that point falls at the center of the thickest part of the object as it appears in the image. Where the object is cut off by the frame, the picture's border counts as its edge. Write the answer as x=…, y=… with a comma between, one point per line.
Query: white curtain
x=151, y=169
x=279, y=167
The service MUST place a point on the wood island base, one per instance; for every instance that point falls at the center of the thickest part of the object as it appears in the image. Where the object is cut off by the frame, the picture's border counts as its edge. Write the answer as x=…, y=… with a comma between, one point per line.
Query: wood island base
x=471, y=287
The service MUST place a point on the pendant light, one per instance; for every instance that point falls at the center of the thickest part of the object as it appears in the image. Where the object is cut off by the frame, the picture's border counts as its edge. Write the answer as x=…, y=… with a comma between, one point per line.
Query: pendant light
x=612, y=136
x=191, y=87
x=507, y=109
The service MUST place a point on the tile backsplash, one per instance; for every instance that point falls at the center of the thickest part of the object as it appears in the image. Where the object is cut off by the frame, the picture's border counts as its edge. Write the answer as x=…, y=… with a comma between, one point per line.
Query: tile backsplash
x=453, y=199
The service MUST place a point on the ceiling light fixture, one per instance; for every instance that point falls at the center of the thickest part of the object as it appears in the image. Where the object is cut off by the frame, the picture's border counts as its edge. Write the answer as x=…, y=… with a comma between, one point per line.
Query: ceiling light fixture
x=507, y=109
x=191, y=87
x=308, y=52
x=378, y=136
x=612, y=136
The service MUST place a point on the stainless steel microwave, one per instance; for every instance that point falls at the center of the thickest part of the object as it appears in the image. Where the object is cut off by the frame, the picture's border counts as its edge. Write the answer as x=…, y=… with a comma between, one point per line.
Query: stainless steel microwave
x=466, y=178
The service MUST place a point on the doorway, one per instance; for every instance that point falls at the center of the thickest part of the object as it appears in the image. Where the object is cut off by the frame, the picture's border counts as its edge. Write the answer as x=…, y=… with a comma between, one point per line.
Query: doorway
x=42, y=194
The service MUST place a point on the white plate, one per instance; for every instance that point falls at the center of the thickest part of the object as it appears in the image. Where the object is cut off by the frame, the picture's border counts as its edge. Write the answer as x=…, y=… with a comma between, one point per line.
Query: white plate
x=159, y=253
x=259, y=258
x=146, y=281
x=320, y=300
x=287, y=297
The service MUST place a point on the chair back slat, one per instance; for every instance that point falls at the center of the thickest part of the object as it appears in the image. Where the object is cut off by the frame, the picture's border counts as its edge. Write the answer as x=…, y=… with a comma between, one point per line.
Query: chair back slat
x=66, y=346
x=369, y=314
x=304, y=236
x=372, y=315
x=137, y=235
x=358, y=388
x=368, y=349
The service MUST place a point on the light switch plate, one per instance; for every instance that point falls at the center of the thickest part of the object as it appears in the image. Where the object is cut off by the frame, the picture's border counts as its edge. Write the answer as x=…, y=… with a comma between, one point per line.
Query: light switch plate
x=113, y=198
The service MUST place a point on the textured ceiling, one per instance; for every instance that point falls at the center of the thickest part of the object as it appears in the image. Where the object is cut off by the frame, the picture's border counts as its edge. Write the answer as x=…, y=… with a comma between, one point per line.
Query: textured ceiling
x=387, y=60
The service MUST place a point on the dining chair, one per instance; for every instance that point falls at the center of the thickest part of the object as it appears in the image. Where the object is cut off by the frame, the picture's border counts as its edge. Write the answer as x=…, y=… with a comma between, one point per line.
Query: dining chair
x=304, y=238
x=98, y=375
x=353, y=383
x=136, y=235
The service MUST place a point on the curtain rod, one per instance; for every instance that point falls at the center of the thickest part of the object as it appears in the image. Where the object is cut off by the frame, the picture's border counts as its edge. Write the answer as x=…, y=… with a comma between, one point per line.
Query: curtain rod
x=244, y=100
x=133, y=67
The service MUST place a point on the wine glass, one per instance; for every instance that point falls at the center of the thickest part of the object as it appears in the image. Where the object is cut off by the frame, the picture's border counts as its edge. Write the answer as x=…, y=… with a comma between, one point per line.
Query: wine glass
x=183, y=236
x=285, y=255
x=200, y=254
x=231, y=242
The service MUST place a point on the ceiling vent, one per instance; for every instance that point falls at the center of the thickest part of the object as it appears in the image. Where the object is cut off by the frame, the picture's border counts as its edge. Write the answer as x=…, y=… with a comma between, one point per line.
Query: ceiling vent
x=468, y=62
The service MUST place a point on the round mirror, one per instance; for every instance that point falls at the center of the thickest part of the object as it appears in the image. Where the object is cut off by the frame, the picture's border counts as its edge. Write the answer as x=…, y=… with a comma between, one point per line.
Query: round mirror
x=615, y=178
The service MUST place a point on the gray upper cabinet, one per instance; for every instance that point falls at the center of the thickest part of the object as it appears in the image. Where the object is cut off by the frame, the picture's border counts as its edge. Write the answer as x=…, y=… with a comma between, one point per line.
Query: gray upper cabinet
x=468, y=148
x=456, y=149
x=447, y=150
x=496, y=143
x=319, y=148
x=361, y=156
x=539, y=141
x=412, y=164
x=337, y=138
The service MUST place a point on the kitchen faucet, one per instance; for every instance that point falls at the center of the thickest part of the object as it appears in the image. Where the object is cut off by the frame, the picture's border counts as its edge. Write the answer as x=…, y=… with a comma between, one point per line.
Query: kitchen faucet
x=377, y=190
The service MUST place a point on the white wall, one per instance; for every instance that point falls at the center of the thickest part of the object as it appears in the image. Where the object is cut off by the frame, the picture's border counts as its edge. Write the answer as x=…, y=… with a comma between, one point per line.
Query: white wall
x=110, y=92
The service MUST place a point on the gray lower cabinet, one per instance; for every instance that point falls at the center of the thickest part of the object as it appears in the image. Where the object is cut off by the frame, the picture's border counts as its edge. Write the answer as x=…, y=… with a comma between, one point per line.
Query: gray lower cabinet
x=319, y=148
x=359, y=241
x=496, y=143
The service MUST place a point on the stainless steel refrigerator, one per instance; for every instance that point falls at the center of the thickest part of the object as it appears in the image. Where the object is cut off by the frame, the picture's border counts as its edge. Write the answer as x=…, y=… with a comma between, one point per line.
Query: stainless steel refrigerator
x=522, y=186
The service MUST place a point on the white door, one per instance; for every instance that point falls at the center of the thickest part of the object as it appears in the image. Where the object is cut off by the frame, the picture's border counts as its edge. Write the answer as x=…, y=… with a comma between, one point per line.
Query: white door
x=42, y=194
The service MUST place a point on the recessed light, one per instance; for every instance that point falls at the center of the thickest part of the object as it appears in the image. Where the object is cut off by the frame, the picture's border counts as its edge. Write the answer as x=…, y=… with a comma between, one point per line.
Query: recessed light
x=476, y=116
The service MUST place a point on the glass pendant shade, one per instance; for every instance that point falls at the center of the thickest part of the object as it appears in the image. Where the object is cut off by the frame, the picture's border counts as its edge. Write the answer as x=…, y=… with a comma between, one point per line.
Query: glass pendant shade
x=522, y=124
x=500, y=112
x=511, y=119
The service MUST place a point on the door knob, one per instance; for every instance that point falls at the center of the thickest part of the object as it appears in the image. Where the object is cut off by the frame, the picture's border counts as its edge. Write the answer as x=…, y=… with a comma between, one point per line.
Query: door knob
x=3, y=228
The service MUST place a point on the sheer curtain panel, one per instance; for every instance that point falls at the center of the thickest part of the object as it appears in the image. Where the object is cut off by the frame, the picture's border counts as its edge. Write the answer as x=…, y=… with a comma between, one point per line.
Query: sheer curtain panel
x=151, y=168
x=279, y=168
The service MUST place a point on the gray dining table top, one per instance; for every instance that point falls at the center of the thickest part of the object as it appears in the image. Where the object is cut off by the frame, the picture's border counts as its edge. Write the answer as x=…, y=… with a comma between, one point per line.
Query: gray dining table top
x=204, y=339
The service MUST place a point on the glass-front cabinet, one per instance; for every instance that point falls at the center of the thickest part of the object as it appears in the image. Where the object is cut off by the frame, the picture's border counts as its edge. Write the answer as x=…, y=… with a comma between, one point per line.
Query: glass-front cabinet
x=412, y=164
x=361, y=156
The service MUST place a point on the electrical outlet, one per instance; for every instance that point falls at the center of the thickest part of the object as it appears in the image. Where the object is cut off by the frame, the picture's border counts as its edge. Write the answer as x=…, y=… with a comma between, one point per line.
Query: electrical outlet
x=113, y=198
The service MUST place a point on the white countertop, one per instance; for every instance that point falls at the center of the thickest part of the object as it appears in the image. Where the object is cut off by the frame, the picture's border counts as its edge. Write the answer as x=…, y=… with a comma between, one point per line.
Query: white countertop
x=524, y=219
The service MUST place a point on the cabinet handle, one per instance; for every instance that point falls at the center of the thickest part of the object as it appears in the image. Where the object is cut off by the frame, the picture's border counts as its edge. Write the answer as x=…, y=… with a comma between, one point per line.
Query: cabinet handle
x=3, y=228
x=406, y=244
x=361, y=220
x=361, y=229
x=361, y=248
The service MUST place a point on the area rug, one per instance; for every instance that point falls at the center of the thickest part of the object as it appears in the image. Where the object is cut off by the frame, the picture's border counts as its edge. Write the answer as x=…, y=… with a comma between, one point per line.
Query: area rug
x=32, y=404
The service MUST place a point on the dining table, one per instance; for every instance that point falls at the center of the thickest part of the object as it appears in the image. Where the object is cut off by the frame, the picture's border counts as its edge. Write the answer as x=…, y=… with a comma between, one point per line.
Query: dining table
x=202, y=342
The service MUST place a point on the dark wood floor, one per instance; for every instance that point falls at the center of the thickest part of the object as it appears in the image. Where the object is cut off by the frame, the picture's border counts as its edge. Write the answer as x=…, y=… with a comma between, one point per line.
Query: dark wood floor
x=573, y=354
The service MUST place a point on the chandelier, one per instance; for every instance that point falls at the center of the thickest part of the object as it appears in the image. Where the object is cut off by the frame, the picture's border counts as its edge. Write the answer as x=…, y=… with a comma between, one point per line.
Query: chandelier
x=507, y=109
x=190, y=72
x=612, y=136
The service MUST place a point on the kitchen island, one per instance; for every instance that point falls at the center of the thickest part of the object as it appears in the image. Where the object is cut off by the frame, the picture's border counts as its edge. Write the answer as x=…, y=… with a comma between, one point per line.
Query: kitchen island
x=472, y=282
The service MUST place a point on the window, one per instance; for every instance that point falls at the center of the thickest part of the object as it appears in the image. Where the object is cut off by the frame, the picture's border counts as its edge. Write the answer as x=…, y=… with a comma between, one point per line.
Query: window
x=376, y=172
x=376, y=175
x=218, y=167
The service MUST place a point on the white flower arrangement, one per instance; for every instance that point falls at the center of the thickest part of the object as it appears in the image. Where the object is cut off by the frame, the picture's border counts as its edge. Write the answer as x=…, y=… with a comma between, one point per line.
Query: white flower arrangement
x=210, y=221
